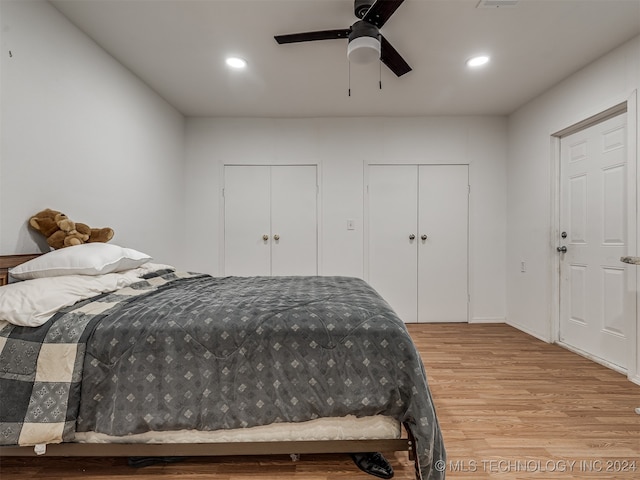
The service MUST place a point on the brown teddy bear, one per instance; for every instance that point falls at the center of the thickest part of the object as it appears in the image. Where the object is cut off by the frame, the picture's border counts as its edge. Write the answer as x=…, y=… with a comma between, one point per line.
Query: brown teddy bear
x=98, y=234
x=71, y=235
x=46, y=222
x=62, y=232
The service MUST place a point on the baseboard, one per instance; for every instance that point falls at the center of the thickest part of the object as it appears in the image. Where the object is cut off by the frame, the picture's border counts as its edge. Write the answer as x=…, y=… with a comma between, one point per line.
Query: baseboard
x=488, y=320
x=635, y=379
x=593, y=358
x=528, y=331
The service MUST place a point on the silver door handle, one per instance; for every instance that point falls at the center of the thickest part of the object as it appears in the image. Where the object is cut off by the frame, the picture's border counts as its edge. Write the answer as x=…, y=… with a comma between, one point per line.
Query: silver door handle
x=276, y=237
x=265, y=237
x=562, y=249
x=423, y=237
x=412, y=237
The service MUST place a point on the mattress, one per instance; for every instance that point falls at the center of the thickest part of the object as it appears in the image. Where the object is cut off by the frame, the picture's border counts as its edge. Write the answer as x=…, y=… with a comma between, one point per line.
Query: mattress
x=345, y=428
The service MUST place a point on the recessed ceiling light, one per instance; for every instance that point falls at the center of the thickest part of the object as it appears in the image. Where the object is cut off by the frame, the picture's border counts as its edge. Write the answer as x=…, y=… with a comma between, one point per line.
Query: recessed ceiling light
x=478, y=61
x=236, y=62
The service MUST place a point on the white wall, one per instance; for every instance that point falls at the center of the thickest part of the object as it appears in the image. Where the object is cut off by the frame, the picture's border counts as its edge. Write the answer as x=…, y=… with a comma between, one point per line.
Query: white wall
x=603, y=84
x=82, y=134
x=342, y=147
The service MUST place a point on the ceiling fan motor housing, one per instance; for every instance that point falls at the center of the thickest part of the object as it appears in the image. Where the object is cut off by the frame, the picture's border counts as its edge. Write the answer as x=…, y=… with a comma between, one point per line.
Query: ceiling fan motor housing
x=363, y=29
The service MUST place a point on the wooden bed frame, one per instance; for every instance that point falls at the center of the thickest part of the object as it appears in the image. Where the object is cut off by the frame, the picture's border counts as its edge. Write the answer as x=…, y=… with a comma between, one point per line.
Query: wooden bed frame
x=405, y=443
x=212, y=449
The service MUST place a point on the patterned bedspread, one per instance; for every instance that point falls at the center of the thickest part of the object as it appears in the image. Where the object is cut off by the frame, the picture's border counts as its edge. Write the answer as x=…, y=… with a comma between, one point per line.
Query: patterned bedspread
x=209, y=353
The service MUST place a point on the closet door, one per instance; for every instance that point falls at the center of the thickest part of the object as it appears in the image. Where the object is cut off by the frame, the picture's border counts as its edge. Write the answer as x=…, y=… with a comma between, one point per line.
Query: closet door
x=270, y=218
x=418, y=240
x=294, y=236
x=247, y=215
x=443, y=256
x=393, y=215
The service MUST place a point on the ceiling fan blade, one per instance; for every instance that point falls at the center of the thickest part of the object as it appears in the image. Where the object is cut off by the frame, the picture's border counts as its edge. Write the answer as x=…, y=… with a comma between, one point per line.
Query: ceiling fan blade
x=380, y=11
x=392, y=59
x=310, y=36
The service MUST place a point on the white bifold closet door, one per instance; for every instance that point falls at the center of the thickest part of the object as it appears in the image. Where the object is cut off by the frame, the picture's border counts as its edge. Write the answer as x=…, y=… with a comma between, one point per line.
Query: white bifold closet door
x=270, y=218
x=418, y=240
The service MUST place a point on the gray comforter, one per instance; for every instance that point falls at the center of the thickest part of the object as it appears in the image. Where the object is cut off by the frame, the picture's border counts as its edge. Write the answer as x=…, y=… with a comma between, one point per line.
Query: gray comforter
x=212, y=353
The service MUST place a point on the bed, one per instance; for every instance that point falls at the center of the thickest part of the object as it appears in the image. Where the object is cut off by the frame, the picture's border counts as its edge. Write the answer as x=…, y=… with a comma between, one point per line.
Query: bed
x=182, y=363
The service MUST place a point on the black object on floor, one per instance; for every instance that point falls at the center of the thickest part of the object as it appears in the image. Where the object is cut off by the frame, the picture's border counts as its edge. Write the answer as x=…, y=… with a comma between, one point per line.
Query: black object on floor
x=139, y=462
x=373, y=463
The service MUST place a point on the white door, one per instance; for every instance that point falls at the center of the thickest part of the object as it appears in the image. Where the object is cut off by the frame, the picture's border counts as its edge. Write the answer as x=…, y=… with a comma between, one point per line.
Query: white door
x=393, y=220
x=593, y=215
x=246, y=219
x=442, y=256
x=270, y=218
x=424, y=280
x=294, y=236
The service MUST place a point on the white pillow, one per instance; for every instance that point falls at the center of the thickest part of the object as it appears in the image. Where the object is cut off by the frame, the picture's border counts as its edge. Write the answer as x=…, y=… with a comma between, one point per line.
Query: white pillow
x=86, y=259
x=33, y=302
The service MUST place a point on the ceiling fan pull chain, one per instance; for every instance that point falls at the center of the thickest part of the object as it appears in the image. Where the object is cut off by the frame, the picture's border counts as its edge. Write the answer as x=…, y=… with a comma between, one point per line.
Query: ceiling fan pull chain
x=380, y=74
x=349, y=77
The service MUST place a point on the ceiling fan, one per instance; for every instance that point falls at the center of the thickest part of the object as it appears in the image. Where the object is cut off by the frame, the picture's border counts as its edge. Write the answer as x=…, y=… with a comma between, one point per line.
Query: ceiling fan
x=366, y=43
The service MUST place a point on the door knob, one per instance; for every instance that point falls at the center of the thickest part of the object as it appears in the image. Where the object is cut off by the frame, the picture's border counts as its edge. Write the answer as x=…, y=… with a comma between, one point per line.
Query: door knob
x=412, y=237
x=562, y=249
x=276, y=237
x=423, y=237
x=265, y=237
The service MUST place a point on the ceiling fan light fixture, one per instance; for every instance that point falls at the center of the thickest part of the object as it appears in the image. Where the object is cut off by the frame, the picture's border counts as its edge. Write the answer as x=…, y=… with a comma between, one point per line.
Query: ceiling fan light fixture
x=363, y=50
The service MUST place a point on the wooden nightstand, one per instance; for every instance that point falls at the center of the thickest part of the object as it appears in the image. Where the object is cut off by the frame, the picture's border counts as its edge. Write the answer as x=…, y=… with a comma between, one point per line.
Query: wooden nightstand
x=9, y=261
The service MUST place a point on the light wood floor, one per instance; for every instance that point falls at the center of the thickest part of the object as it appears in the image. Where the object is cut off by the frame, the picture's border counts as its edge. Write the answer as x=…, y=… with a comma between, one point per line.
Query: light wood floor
x=510, y=406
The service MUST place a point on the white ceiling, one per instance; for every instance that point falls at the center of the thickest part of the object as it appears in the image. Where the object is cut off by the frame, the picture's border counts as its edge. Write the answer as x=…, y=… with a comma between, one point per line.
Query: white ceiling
x=178, y=48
